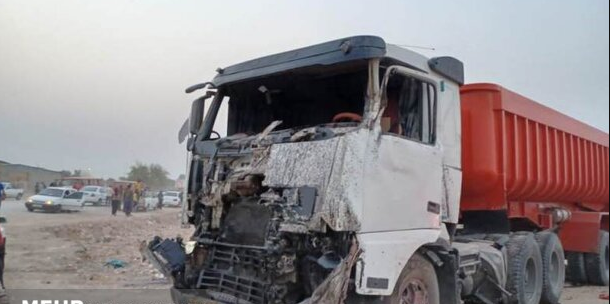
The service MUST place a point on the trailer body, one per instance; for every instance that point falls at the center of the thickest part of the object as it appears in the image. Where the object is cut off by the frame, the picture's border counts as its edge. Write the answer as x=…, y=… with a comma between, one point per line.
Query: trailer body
x=533, y=162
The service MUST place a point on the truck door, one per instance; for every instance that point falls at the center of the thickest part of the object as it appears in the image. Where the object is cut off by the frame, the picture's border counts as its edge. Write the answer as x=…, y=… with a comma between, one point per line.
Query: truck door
x=403, y=188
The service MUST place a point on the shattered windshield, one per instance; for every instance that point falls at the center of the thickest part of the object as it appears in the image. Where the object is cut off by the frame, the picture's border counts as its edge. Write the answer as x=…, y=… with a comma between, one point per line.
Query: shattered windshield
x=307, y=97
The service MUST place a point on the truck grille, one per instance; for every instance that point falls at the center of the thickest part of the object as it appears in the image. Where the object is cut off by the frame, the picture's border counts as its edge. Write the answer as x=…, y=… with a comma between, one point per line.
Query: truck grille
x=235, y=271
x=240, y=287
x=237, y=259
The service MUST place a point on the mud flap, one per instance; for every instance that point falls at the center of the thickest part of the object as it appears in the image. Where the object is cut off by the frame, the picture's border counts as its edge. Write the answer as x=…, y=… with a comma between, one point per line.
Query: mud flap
x=334, y=288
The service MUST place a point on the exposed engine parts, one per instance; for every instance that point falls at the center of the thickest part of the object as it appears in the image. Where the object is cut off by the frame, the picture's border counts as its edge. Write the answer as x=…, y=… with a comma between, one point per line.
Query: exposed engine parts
x=253, y=243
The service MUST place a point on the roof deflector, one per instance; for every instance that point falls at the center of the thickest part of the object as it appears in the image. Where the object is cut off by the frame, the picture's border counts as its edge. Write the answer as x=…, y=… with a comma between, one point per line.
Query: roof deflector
x=448, y=67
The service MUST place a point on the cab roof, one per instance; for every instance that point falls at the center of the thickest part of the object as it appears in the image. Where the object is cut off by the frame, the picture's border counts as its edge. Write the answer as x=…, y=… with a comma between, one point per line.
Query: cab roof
x=335, y=52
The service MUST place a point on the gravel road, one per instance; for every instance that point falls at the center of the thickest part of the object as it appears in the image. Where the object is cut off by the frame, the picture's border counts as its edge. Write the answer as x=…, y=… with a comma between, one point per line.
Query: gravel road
x=69, y=250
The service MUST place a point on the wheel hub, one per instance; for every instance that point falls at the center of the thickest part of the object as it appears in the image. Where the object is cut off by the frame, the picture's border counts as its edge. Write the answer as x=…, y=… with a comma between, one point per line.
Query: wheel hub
x=554, y=270
x=415, y=292
x=530, y=277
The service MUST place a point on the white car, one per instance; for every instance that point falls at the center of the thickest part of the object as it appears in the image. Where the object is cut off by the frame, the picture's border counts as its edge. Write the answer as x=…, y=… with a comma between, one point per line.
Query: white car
x=56, y=199
x=12, y=192
x=149, y=201
x=171, y=198
x=96, y=195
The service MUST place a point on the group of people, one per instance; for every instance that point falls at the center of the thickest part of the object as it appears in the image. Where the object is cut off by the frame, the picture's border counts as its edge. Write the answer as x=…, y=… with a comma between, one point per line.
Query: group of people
x=39, y=186
x=127, y=196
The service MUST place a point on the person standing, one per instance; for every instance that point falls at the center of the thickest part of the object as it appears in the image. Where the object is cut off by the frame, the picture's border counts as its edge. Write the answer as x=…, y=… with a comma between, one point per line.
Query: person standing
x=160, y=198
x=137, y=192
x=37, y=188
x=128, y=200
x=116, y=200
x=2, y=194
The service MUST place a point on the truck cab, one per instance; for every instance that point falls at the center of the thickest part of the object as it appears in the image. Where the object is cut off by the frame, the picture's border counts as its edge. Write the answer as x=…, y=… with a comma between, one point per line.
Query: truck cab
x=341, y=162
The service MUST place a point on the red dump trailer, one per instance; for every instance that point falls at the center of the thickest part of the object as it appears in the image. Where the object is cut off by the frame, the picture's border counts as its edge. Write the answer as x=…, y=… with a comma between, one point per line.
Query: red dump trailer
x=530, y=168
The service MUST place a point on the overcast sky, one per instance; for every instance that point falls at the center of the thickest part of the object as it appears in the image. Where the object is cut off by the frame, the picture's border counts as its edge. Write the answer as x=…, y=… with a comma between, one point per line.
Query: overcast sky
x=99, y=84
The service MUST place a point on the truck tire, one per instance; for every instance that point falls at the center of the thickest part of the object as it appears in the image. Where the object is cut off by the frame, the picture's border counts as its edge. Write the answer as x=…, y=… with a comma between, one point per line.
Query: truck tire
x=524, y=269
x=19, y=196
x=576, y=272
x=597, y=263
x=553, y=267
x=417, y=284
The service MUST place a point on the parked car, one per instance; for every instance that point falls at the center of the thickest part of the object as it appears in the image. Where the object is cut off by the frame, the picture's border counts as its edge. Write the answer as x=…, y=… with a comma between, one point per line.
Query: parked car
x=12, y=192
x=171, y=198
x=96, y=195
x=148, y=202
x=56, y=199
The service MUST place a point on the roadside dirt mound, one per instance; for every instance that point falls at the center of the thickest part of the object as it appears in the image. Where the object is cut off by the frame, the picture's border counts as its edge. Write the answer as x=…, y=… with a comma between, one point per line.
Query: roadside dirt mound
x=116, y=240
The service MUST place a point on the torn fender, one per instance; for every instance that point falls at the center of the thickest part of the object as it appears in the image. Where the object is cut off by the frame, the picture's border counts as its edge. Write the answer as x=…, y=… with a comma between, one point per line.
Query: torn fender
x=334, y=288
x=335, y=167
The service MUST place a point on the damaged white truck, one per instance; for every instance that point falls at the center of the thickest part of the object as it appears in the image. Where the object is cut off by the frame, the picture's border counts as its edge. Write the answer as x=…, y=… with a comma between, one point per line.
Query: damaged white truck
x=340, y=182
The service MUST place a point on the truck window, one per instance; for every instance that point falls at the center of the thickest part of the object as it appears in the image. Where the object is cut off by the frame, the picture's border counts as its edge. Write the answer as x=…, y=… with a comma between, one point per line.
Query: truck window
x=411, y=109
x=299, y=98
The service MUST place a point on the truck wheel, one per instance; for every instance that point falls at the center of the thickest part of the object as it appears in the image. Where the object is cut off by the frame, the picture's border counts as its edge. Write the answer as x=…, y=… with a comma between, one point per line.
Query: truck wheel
x=524, y=269
x=576, y=272
x=553, y=267
x=597, y=263
x=417, y=284
x=19, y=196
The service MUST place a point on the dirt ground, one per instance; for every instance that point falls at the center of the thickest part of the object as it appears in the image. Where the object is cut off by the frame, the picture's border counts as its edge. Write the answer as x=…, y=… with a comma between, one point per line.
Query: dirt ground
x=71, y=250
x=48, y=251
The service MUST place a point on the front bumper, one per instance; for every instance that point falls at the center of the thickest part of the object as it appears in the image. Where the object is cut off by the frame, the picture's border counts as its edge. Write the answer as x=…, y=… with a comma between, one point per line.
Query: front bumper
x=191, y=296
x=172, y=259
x=43, y=207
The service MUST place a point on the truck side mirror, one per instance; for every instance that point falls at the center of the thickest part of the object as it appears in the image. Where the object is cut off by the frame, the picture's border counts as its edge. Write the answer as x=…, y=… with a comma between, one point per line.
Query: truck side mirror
x=196, y=118
x=197, y=109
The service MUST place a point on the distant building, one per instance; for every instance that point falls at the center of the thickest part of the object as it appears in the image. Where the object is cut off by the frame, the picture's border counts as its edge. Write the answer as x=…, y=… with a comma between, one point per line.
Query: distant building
x=26, y=177
x=179, y=183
